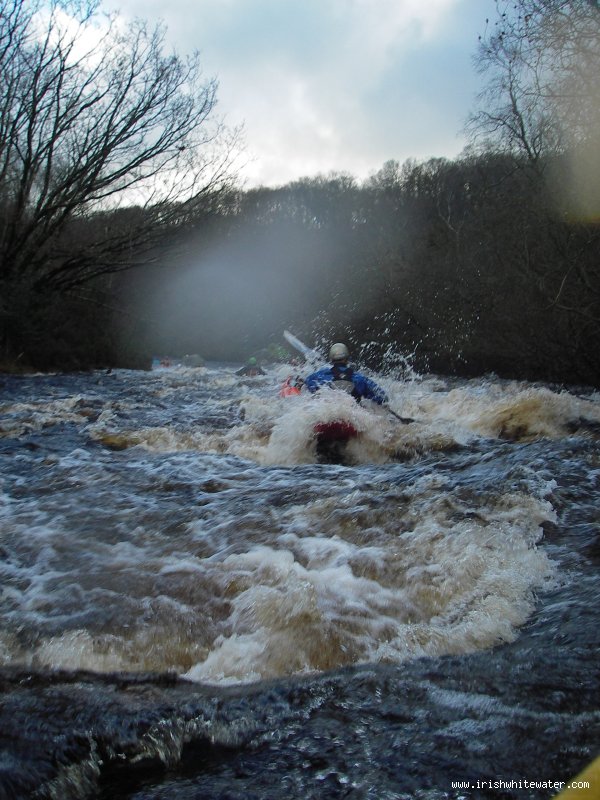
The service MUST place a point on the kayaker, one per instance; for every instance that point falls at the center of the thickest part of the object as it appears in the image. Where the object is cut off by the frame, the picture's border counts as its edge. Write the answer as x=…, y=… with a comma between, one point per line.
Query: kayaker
x=292, y=386
x=251, y=368
x=340, y=375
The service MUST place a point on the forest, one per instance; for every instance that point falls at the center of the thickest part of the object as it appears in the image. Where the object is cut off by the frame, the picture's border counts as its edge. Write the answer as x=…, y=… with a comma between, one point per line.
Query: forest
x=125, y=232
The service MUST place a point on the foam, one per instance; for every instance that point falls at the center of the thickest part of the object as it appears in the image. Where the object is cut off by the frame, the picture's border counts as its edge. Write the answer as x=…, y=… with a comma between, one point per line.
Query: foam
x=226, y=553
x=441, y=587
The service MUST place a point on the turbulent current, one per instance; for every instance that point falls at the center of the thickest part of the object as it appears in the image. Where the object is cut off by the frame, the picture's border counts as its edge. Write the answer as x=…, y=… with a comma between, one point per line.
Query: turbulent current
x=194, y=605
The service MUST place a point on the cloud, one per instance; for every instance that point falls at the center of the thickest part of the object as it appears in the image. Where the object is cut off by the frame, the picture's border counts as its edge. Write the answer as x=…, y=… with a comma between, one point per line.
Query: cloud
x=330, y=86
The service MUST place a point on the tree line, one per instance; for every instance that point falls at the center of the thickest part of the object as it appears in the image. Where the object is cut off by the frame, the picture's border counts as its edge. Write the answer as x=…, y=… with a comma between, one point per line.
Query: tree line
x=484, y=263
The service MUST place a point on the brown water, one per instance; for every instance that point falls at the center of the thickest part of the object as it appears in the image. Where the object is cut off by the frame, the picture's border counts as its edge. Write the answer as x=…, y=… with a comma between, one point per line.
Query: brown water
x=179, y=520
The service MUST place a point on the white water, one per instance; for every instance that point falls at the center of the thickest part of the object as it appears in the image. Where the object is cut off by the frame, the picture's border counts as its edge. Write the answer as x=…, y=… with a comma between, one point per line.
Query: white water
x=190, y=528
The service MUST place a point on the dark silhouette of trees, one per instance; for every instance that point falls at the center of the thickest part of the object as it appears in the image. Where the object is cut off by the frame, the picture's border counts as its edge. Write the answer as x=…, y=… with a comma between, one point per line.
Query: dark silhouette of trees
x=541, y=106
x=95, y=117
x=488, y=262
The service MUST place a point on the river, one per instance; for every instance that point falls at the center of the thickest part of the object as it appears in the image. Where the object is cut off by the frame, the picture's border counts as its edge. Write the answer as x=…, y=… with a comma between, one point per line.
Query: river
x=194, y=606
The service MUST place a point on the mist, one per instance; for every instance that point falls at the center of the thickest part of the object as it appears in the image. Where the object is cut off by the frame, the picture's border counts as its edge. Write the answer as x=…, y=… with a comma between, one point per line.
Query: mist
x=227, y=299
x=377, y=265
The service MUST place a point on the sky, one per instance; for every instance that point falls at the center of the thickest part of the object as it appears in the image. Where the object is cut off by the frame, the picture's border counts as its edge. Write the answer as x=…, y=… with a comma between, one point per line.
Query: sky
x=332, y=85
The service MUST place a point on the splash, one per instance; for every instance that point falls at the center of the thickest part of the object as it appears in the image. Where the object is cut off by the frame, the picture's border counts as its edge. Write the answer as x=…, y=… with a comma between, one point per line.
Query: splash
x=343, y=596
x=293, y=437
x=180, y=520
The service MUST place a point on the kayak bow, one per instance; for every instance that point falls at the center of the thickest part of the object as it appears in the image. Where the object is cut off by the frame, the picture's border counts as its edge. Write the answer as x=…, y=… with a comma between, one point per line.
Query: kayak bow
x=338, y=430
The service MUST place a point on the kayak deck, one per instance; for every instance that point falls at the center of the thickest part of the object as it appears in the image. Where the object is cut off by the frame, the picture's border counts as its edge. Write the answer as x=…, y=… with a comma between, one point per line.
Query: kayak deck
x=337, y=430
x=331, y=438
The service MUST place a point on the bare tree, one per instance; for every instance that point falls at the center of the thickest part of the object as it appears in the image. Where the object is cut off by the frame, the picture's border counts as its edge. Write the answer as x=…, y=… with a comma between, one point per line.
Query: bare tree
x=541, y=59
x=541, y=104
x=94, y=115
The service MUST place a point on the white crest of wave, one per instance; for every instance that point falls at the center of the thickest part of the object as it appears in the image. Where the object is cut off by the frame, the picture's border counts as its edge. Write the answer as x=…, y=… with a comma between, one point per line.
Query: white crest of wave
x=293, y=440
x=497, y=410
x=321, y=601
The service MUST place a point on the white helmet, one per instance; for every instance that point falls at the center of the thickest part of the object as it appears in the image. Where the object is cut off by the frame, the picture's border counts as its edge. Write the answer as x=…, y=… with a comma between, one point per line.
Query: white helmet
x=339, y=352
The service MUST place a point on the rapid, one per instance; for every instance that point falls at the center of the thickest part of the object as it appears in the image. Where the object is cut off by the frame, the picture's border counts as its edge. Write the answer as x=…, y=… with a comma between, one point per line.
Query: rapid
x=194, y=606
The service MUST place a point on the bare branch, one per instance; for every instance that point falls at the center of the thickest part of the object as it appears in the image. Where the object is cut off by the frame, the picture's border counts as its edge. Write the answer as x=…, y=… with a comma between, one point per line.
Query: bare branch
x=86, y=127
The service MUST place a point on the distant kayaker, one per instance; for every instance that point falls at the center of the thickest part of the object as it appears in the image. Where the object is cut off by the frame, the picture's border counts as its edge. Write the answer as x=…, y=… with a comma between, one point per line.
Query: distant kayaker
x=340, y=375
x=292, y=386
x=251, y=368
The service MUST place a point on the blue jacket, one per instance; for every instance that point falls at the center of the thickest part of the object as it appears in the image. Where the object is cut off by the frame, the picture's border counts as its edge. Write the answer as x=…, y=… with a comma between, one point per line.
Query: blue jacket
x=359, y=385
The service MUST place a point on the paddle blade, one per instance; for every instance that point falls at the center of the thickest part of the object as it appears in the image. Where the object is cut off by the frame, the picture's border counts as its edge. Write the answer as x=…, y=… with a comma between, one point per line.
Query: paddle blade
x=307, y=352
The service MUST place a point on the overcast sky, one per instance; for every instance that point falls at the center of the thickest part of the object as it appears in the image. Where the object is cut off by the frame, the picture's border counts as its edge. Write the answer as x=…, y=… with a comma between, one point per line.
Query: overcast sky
x=324, y=85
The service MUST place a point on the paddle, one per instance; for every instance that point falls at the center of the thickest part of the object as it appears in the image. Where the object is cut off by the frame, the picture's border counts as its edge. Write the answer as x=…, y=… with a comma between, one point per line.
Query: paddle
x=403, y=420
x=307, y=352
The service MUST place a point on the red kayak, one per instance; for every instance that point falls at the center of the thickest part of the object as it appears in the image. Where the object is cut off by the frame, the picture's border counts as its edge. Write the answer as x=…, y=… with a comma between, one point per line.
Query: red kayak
x=338, y=430
x=332, y=438
x=291, y=386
